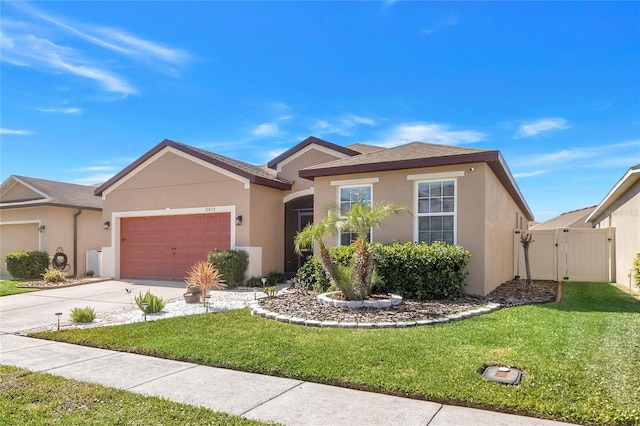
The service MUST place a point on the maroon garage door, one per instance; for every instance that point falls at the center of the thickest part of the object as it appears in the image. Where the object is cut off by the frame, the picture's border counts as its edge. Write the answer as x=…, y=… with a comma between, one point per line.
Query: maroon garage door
x=164, y=247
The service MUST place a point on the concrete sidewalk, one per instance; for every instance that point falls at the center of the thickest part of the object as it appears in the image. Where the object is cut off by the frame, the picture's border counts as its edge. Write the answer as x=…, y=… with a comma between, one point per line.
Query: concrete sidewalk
x=287, y=401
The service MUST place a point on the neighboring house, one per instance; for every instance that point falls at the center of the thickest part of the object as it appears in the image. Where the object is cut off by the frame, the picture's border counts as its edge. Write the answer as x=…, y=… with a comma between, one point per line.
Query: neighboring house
x=176, y=203
x=620, y=209
x=38, y=214
x=573, y=219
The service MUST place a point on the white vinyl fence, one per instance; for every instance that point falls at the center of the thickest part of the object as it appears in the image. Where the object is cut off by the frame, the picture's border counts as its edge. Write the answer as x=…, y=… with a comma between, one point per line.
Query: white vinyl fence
x=568, y=254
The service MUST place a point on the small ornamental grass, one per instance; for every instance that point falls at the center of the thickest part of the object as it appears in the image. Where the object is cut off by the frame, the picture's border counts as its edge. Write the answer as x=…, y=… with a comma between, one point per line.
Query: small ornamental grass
x=83, y=315
x=154, y=303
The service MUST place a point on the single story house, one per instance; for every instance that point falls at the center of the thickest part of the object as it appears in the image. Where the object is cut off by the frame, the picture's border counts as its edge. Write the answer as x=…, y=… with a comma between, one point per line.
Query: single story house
x=620, y=209
x=176, y=203
x=45, y=215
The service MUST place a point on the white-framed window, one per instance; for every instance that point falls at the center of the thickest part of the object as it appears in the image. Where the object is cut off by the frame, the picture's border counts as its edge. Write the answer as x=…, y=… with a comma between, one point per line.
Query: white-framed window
x=436, y=207
x=347, y=196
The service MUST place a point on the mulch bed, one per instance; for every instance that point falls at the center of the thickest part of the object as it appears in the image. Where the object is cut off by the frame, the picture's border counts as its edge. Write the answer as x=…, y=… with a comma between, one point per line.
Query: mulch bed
x=511, y=293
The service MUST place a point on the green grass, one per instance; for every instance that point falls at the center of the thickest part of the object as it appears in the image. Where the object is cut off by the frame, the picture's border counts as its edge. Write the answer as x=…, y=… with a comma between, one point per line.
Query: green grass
x=8, y=288
x=42, y=399
x=580, y=356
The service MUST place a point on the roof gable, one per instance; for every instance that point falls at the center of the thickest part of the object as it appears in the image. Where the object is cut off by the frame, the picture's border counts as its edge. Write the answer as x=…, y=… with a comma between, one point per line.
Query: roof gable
x=23, y=191
x=234, y=168
x=305, y=145
x=627, y=181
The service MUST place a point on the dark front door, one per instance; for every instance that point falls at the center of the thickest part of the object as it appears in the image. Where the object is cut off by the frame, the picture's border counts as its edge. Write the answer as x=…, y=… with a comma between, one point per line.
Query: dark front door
x=297, y=214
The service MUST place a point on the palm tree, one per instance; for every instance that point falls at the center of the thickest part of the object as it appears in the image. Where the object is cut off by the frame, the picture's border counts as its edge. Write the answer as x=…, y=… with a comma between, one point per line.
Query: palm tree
x=359, y=219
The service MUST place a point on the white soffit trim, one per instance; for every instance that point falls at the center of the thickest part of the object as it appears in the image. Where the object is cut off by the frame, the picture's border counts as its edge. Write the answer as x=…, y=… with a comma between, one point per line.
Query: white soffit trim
x=307, y=149
x=362, y=181
x=298, y=194
x=441, y=175
x=167, y=150
x=26, y=203
x=22, y=222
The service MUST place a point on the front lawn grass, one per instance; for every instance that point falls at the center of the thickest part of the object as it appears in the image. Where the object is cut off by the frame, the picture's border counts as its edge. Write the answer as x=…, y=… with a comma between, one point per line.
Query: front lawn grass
x=580, y=356
x=28, y=398
x=8, y=287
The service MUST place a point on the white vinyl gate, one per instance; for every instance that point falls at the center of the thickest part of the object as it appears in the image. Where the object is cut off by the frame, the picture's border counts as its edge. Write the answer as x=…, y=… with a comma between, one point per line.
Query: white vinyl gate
x=568, y=254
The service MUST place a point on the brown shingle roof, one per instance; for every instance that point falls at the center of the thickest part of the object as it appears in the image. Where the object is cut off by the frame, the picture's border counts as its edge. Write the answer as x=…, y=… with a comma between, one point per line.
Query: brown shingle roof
x=415, y=154
x=56, y=193
x=364, y=148
x=255, y=174
x=420, y=154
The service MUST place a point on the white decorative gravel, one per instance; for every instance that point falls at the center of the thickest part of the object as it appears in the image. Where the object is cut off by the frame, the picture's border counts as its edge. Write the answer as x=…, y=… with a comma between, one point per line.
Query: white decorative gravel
x=219, y=301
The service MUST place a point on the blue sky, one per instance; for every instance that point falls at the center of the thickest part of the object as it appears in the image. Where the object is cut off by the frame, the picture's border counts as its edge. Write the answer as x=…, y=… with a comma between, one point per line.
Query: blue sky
x=88, y=87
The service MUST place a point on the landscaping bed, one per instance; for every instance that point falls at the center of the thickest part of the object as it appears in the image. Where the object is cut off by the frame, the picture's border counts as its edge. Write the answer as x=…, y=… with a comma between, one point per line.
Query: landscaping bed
x=306, y=306
x=43, y=285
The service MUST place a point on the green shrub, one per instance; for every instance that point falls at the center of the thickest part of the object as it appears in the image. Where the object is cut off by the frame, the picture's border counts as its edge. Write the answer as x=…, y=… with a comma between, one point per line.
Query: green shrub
x=53, y=275
x=24, y=265
x=422, y=271
x=86, y=314
x=636, y=270
x=254, y=282
x=89, y=273
x=275, y=278
x=415, y=271
x=232, y=264
x=154, y=303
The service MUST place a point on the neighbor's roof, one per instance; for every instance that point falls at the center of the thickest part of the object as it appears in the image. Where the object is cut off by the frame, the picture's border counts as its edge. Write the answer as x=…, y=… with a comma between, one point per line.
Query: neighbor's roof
x=572, y=219
x=255, y=174
x=627, y=181
x=421, y=154
x=49, y=193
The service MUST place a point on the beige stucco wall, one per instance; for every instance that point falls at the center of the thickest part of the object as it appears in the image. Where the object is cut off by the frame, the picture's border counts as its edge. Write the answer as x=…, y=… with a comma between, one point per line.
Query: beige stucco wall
x=173, y=184
x=624, y=215
x=289, y=170
x=486, y=216
x=58, y=232
x=267, y=227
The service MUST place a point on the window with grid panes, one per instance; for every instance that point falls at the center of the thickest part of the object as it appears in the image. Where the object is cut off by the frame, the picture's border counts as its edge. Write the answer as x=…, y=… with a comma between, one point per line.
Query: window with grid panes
x=436, y=211
x=348, y=196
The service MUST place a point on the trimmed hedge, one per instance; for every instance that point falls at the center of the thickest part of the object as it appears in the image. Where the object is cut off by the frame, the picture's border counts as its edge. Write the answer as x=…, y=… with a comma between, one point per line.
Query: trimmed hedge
x=232, y=264
x=24, y=265
x=414, y=271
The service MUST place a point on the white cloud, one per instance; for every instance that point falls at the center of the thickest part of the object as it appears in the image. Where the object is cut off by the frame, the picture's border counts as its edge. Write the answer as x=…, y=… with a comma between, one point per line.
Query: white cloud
x=71, y=110
x=16, y=132
x=343, y=126
x=529, y=174
x=30, y=43
x=430, y=132
x=534, y=128
x=266, y=130
x=443, y=24
x=93, y=179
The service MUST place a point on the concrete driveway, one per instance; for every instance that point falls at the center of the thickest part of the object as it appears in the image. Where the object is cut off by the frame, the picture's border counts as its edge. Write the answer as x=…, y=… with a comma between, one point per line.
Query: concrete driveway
x=28, y=311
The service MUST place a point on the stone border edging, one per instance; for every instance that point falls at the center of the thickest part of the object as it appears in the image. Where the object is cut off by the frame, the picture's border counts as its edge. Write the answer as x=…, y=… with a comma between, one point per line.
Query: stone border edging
x=259, y=311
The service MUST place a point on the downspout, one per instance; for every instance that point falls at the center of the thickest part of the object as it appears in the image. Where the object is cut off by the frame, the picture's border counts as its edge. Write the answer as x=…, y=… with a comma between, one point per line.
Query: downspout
x=75, y=242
